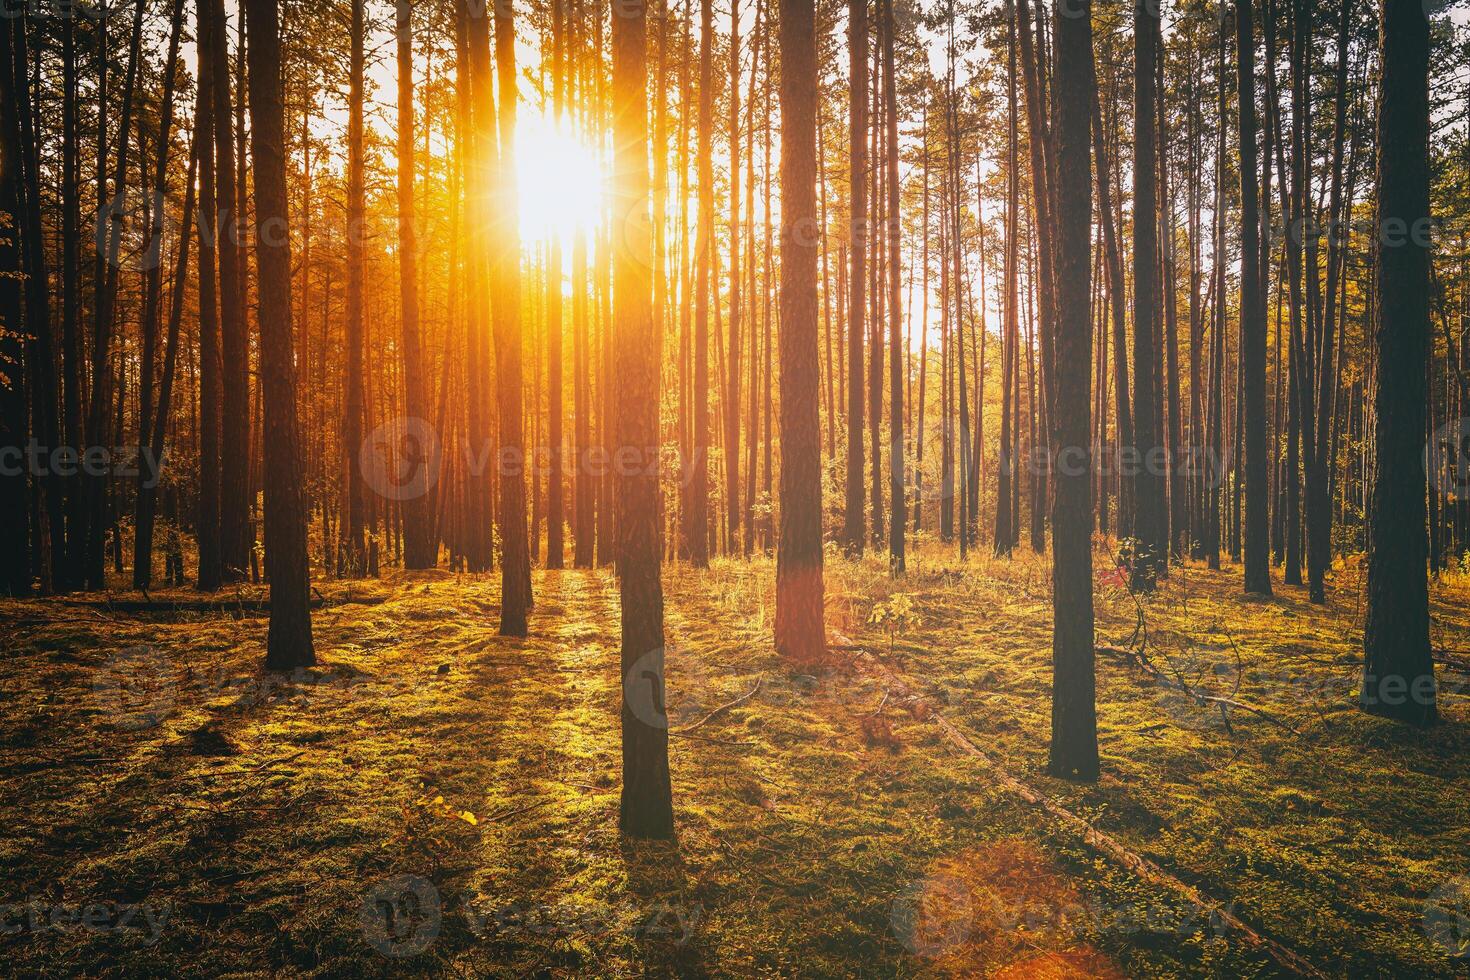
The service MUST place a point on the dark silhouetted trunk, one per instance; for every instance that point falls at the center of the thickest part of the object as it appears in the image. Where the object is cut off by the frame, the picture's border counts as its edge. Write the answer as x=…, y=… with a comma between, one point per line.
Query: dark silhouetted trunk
x=1398, y=664
x=1073, y=752
x=289, y=642
x=647, y=806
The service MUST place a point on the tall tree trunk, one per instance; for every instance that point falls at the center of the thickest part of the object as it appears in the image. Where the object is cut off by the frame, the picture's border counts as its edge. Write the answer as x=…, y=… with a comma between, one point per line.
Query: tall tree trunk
x=15, y=534
x=647, y=806
x=515, y=566
x=1319, y=489
x=1252, y=319
x=731, y=404
x=555, y=330
x=853, y=528
x=353, y=486
x=207, y=517
x=41, y=348
x=799, y=625
x=897, y=499
x=1006, y=518
x=1073, y=752
x=289, y=641
x=696, y=478
x=1398, y=664
x=1150, y=517
x=234, y=503
x=146, y=499
x=416, y=438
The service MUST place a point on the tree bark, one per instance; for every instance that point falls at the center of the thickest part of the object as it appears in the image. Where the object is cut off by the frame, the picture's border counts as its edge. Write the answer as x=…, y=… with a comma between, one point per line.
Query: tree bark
x=1073, y=753
x=415, y=470
x=1398, y=664
x=289, y=641
x=646, y=809
x=853, y=527
x=799, y=627
x=1252, y=320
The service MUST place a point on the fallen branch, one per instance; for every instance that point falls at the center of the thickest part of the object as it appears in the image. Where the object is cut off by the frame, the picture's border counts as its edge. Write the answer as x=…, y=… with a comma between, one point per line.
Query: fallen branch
x=492, y=818
x=1110, y=846
x=722, y=708
x=1178, y=684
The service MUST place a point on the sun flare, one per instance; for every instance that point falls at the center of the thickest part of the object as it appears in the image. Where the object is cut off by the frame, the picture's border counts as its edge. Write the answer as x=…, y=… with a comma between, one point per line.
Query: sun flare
x=561, y=180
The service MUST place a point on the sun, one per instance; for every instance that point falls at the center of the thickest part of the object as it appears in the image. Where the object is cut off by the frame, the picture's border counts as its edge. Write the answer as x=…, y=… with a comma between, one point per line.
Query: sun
x=561, y=181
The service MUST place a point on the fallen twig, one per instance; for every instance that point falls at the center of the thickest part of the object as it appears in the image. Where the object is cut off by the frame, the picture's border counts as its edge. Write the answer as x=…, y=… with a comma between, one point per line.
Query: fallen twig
x=1179, y=684
x=722, y=708
x=1113, y=848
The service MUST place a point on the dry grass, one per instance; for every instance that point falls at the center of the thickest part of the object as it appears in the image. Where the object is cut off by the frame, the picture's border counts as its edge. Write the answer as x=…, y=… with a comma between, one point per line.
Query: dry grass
x=152, y=764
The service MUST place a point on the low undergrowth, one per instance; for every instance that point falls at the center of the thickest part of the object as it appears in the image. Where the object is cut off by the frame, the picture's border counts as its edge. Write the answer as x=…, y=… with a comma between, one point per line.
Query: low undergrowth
x=434, y=798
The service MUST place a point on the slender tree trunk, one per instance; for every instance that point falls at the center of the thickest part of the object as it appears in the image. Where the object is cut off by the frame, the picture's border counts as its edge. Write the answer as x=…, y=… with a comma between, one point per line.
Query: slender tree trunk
x=1319, y=488
x=647, y=805
x=207, y=518
x=799, y=625
x=1150, y=517
x=234, y=503
x=1005, y=514
x=15, y=430
x=1252, y=320
x=898, y=500
x=515, y=564
x=731, y=404
x=41, y=347
x=1398, y=664
x=696, y=510
x=853, y=533
x=353, y=486
x=417, y=441
x=555, y=327
x=1073, y=752
x=289, y=641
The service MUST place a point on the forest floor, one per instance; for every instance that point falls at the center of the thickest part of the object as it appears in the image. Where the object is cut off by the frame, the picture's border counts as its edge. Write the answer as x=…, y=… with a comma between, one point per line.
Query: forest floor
x=434, y=798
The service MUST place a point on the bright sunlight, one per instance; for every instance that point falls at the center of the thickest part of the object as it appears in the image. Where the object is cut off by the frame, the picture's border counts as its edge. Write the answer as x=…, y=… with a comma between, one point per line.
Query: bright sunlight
x=561, y=179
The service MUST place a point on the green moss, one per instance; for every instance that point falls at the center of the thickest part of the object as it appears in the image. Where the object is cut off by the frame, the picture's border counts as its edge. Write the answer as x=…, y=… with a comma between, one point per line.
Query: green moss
x=818, y=835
